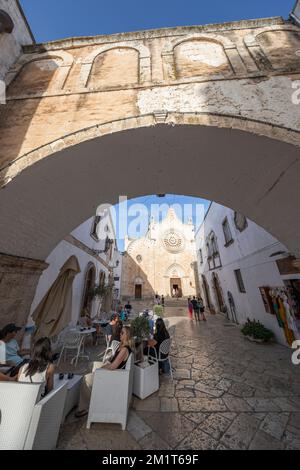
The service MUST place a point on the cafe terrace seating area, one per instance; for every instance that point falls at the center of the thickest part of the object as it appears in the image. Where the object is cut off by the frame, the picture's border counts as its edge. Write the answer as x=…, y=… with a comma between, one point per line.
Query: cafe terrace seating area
x=36, y=423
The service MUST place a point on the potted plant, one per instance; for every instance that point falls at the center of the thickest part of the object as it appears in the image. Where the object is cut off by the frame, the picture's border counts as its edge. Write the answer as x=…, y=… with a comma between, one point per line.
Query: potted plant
x=100, y=291
x=158, y=310
x=257, y=332
x=140, y=330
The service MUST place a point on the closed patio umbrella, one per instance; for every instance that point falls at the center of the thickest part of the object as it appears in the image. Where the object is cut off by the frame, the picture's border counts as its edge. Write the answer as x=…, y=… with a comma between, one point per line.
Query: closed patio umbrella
x=54, y=312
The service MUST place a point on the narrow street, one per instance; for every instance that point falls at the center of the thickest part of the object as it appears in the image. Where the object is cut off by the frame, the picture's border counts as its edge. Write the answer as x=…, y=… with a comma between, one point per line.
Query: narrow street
x=227, y=393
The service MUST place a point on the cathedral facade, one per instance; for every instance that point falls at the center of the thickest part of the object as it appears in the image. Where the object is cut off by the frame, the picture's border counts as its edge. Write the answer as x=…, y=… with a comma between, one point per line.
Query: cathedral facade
x=162, y=262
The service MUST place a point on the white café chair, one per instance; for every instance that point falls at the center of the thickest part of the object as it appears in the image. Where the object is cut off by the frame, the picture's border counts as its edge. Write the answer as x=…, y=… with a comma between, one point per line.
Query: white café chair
x=112, y=349
x=111, y=395
x=28, y=422
x=73, y=341
x=103, y=353
x=164, y=349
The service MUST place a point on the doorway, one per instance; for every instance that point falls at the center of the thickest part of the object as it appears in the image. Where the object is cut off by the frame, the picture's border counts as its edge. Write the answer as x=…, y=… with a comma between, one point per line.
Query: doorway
x=218, y=292
x=175, y=285
x=207, y=294
x=88, y=287
x=138, y=291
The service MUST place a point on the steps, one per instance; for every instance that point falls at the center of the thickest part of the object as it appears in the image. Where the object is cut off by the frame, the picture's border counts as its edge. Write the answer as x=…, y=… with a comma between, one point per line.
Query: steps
x=179, y=303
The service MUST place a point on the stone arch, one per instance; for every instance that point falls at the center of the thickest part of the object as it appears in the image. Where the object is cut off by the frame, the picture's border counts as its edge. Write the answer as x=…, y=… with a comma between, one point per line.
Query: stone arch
x=89, y=283
x=10, y=170
x=175, y=270
x=62, y=73
x=230, y=51
x=144, y=65
x=262, y=59
x=98, y=147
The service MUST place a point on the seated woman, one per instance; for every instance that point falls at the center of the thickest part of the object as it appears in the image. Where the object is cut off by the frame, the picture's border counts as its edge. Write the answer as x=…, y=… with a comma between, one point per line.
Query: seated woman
x=116, y=331
x=117, y=362
x=40, y=368
x=161, y=333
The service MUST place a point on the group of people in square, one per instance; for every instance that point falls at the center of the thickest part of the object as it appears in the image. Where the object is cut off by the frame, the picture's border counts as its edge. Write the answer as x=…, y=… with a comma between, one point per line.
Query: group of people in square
x=196, y=307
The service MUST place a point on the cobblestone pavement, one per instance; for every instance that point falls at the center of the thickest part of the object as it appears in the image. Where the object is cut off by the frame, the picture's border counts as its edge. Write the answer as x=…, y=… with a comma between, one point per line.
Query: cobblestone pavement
x=227, y=393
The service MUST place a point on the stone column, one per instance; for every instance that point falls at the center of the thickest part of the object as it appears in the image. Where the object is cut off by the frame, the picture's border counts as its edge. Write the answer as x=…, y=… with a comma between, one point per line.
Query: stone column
x=18, y=281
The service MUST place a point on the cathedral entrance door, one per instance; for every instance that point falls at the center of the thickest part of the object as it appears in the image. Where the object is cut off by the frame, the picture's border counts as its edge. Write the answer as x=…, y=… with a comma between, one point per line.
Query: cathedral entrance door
x=175, y=284
x=138, y=291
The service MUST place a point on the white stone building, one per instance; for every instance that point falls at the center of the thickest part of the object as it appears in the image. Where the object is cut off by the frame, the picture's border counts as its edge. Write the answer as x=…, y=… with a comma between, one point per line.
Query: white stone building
x=237, y=260
x=161, y=262
x=15, y=32
x=94, y=245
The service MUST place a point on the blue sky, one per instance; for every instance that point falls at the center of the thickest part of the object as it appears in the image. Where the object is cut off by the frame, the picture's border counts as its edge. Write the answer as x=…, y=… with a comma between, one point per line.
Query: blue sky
x=135, y=219
x=56, y=19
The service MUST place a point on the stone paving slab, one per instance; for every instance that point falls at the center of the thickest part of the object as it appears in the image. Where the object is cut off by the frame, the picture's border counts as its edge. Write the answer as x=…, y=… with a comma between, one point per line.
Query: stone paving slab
x=171, y=427
x=227, y=393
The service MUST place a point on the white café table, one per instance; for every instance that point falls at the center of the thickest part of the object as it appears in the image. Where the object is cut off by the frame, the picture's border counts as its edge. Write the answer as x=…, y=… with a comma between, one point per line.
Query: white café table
x=73, y=391
x=85, y=332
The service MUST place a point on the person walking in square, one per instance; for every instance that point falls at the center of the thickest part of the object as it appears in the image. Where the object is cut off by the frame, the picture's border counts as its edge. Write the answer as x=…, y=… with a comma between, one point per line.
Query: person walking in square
x=201, y=308
x=190, y=309
x=195, y=308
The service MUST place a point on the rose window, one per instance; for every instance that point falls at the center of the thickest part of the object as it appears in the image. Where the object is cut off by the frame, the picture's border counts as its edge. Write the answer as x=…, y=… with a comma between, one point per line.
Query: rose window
x=173, y=242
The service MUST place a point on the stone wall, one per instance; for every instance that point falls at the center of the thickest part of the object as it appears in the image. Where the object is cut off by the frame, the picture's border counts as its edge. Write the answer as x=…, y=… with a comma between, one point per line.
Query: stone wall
x=240, y=69
x=18, y=281
x=235, y=76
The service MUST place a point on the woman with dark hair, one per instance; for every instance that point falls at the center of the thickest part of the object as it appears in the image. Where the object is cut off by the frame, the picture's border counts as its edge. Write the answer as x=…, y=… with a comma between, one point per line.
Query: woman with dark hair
x=161, y=333
x=40, y=368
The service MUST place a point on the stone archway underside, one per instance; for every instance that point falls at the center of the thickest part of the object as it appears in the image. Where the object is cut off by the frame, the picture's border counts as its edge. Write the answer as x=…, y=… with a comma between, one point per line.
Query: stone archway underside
x=253, y=174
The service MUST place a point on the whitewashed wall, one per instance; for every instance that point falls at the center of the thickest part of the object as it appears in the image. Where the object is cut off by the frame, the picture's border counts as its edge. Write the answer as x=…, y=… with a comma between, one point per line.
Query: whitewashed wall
x=11, y=44
x=250, y=253
x=62, y=252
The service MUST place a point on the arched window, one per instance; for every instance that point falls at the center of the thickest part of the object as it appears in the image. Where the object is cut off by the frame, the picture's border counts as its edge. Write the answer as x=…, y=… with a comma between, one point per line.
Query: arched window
x=115, y=67
x=198, y=57
x=94, y=229
x=35, y=77
x=281, y=48
x=213, y=255
x=102, y=279
x=227, y=232
x=240, y=221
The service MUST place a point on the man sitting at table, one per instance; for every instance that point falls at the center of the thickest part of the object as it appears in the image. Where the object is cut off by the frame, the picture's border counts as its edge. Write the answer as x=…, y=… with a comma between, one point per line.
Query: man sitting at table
x=14, y=356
